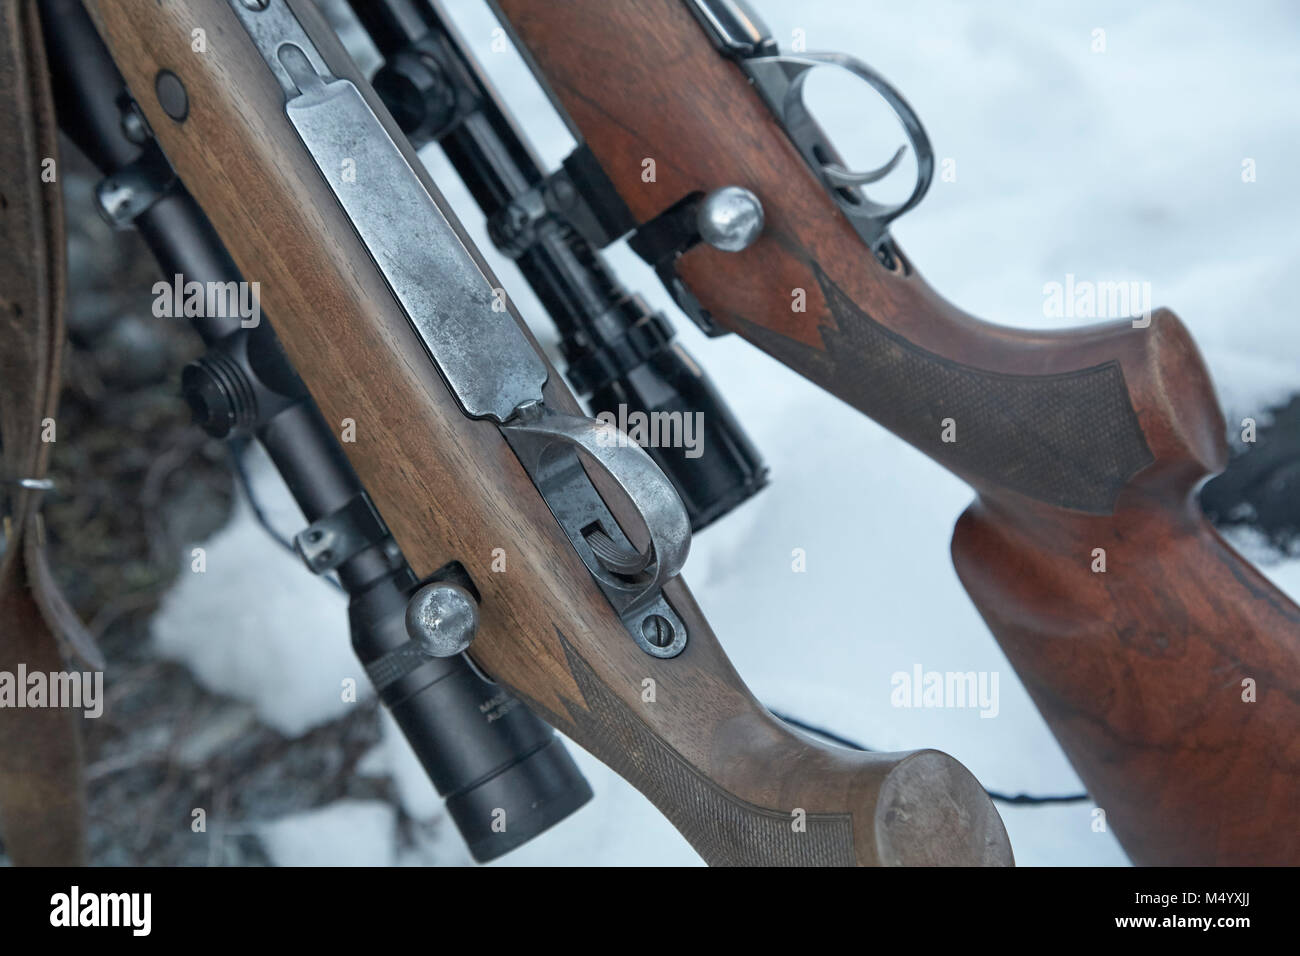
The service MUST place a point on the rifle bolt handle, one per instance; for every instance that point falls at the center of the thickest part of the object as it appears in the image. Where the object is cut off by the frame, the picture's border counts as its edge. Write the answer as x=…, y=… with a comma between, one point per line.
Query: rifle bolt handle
x=730, y=218
x=442, y=619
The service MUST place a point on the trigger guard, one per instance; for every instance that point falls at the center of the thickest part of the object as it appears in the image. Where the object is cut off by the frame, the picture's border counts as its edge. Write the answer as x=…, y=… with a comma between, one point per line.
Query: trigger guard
x=551, y=443
x=803, y=131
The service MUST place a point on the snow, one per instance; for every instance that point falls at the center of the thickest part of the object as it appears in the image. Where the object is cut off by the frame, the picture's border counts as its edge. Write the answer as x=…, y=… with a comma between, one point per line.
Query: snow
x=345, y=833
x=1125, y=164
x=256, y=626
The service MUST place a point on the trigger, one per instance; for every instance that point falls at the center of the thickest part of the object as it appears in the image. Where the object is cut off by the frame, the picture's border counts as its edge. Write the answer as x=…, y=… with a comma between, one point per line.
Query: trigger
x=837, y=176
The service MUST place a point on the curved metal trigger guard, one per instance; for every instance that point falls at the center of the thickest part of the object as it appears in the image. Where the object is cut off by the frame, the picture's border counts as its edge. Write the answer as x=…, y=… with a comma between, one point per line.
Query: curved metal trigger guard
x=780, y=79
x=551, y=444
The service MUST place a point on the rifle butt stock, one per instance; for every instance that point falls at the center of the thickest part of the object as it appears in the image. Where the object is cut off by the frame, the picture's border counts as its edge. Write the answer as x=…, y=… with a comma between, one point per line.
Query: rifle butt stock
x=1169, y=679
x=741, y=786
x=1075, y=440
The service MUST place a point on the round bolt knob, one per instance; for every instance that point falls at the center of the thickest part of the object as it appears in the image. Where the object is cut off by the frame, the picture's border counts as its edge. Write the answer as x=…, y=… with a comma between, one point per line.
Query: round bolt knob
x=730, y=218
x=442, y=618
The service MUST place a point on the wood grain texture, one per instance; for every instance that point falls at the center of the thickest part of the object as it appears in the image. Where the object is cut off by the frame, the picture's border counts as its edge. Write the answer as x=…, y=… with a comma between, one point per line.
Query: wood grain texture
x=725, y=772
x=1075, y=440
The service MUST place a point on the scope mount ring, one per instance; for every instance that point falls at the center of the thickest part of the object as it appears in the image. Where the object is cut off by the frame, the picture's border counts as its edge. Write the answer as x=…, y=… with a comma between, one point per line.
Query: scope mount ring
x=780, y=80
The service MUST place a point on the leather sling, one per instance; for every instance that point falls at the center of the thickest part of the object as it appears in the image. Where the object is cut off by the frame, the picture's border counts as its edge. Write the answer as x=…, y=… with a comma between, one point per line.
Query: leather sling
x=42, y=797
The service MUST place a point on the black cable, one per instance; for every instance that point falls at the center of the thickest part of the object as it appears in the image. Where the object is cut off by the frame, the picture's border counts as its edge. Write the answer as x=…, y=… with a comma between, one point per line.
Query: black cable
x=237, y=449
x=1019, y=799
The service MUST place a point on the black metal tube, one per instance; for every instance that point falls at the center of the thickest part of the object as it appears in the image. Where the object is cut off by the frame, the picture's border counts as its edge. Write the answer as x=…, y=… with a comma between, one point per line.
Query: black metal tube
x=86, y=84
x=88, y=90
x=185, y=244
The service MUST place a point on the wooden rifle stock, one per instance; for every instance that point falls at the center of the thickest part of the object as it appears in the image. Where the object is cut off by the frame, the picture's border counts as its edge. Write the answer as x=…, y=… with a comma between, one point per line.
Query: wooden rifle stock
x=1074, y=440
x=726, y=773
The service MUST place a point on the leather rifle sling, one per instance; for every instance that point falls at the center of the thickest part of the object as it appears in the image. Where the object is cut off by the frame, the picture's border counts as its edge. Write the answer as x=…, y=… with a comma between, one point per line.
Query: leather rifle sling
x=42, y=799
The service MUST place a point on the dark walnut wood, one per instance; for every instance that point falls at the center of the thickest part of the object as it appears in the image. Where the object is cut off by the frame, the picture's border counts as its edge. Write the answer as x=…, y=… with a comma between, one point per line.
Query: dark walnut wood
x=731, y=777
x=1074, y=440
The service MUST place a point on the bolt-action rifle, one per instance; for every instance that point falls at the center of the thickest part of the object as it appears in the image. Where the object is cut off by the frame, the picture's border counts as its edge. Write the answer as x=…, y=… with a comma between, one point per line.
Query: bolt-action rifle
x=472, y=451
x=1074, y=440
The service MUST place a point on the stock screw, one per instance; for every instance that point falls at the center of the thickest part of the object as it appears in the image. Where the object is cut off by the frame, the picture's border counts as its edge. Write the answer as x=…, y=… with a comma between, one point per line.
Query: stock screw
x=657, y=630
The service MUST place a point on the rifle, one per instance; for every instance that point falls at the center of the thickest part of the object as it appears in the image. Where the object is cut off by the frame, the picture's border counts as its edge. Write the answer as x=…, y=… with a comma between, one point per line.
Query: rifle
x=1079, y=443
x=469, y=447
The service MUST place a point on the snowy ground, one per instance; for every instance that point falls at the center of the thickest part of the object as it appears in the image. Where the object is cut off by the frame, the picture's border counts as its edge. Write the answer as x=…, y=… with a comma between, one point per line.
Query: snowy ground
x=1123, y=164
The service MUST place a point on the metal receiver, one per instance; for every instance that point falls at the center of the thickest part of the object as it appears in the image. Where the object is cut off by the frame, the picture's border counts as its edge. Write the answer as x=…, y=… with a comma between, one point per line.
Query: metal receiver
x=481, y=352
